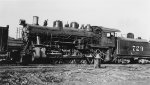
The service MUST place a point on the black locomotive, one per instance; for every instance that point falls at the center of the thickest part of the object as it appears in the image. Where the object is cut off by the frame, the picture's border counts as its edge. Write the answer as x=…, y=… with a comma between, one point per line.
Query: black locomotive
x=73, y=44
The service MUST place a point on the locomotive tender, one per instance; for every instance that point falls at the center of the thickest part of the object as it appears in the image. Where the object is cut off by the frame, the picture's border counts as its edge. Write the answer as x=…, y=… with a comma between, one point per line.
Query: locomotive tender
x=74, y=44
x=133, y=49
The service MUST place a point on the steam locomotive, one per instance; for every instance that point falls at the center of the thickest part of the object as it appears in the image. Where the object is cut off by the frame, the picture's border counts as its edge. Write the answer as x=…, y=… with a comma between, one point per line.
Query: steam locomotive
x=71, y=44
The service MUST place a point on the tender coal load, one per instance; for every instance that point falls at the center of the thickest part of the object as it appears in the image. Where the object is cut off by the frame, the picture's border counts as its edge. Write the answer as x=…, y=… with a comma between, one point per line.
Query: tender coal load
x=130, y=35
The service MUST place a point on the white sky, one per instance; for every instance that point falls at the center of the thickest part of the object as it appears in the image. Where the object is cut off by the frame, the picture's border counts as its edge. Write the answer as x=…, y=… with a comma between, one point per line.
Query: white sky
x=125, y=15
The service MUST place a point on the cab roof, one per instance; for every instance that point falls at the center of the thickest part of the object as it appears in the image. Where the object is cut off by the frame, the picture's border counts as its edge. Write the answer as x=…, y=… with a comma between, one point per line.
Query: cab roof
x=105, y=29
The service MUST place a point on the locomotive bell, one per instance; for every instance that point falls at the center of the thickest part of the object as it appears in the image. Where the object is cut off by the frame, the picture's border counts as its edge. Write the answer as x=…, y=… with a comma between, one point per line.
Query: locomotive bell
x=89, y=28
x=35, y=20
x=57, y=23
x=74, y=25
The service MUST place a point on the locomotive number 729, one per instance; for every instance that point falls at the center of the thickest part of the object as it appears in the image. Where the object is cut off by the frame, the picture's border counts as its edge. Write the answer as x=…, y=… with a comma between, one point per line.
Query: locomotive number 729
x=137, y=48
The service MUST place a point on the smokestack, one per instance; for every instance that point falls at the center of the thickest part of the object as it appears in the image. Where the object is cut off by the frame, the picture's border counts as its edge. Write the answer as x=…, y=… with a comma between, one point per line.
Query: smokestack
x=35, y=20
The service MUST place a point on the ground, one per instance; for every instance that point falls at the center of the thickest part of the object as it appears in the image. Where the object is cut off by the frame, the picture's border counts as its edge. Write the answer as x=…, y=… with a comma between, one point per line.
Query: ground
x=73, y=74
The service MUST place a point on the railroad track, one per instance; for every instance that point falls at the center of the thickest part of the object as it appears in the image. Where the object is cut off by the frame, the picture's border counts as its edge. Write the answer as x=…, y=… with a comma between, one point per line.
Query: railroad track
x=64, y=65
